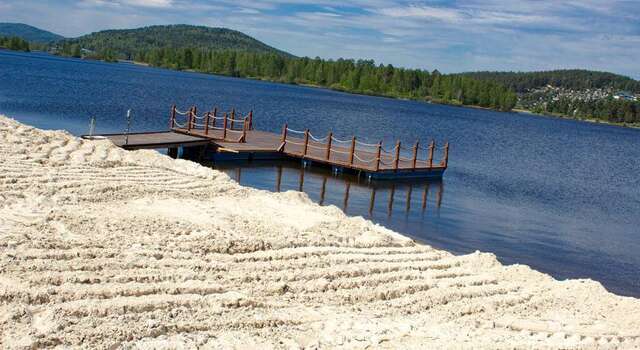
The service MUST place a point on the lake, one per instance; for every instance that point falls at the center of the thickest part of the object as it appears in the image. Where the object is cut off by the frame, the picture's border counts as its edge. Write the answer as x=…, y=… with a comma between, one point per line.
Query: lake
x=559, y=195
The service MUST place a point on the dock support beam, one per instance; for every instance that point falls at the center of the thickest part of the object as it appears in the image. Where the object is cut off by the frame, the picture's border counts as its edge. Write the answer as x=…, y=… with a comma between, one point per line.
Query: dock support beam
x=172, y=152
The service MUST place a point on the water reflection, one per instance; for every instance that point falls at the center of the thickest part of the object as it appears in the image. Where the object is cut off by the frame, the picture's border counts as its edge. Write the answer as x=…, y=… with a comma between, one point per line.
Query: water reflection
x=354, y=195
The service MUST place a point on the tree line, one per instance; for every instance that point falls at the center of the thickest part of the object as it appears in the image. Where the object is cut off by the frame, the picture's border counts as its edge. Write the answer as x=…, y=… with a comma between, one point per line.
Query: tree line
x=14, y=43
x=609, y=110
x=357, y=76
x=575, y=79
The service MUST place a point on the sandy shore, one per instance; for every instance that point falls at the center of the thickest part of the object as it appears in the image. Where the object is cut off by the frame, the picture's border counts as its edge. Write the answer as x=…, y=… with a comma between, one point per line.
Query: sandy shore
x=102, y=248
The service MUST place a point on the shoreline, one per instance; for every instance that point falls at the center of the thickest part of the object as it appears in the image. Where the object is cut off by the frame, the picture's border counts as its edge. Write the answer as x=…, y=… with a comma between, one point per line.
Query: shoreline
x=104, y=247
x=588, y=120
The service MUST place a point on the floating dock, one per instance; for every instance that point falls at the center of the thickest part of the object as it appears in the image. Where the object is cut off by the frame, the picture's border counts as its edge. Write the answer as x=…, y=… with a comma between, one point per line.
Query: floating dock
x=232, y=136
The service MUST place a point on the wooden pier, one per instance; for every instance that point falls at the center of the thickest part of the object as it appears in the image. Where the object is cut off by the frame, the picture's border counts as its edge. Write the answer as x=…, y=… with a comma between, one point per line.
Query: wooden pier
x=232, y=133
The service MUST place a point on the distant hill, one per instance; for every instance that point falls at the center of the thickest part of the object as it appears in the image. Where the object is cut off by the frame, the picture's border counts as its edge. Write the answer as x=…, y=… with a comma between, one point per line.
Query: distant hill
x=28, y=33
x=126, y=43
x=575, y=79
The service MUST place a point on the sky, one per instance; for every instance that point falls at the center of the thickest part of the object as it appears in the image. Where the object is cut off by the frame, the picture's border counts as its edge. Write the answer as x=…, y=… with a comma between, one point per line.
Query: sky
x=451, y=36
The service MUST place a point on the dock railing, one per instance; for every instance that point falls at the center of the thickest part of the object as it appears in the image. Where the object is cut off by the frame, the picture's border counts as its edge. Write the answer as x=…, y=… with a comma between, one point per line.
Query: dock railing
x=354, y=153
x=211, y=124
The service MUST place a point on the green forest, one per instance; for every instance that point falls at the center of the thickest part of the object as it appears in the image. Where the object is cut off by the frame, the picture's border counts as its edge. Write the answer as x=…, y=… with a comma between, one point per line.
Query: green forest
x=575, y=79
x=14, y=43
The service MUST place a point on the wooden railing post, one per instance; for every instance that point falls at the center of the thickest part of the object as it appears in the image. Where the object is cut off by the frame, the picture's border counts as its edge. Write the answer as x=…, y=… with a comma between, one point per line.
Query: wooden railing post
x=415, y=153
x=306, y=142
x=445, y=160
x=251, y=120
x=172, y=117
x=215, y=114
x=328, y=154
x=283, y=138
x=190, y=119
x=378, y=154
x=233, y=117
x=432, y=146
x=397, y=160
x=206, y=123
x=353, y=150
x=243, y=138
x=224, y=127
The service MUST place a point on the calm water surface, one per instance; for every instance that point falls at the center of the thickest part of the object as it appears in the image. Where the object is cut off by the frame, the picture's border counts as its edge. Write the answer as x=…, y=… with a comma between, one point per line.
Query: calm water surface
x=559, y=195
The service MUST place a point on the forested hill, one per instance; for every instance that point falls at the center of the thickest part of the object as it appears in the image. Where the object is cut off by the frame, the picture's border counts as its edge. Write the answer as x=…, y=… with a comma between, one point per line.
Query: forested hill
x=129, y=43
x=574, y=79
x=28, y=33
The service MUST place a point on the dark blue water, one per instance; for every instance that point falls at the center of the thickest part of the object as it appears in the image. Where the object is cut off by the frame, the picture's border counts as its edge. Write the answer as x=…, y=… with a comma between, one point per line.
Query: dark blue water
x=562, y=196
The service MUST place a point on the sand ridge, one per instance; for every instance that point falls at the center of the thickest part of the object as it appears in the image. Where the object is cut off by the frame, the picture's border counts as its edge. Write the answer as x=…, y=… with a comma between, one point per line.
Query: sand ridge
x=102, y=248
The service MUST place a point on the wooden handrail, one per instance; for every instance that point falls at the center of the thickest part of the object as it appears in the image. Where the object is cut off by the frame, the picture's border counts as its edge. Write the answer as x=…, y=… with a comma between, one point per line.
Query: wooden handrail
x=224, y=127
x=215, y=114
x=328, y=155
x=396, y=161
x=243, y=138
x=233, y=117
x=283, y=138
x=306, y=142
x=415, y=153
x=251, y=120
x=432, y=146
x=172, y=117
x=353, y=150
x=206, y=123
x=378, y=153
x=445, y=160
x=190, y=119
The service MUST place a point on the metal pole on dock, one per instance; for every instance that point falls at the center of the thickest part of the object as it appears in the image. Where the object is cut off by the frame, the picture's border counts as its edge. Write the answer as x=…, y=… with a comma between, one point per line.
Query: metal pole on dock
x=397, y=160
x=415, y=153
x=224, y=127
x=378, y=153
x=432, y=146
x=328, y=155
x=172, y=118
x=353, y=150
x=306, y=142
x=126, y=134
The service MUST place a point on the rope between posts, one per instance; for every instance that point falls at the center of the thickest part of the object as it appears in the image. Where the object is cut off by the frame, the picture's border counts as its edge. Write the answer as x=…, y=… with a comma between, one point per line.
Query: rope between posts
x=390, y=150
x=196, y=124
x=362, y=160
x=366, y=144
x=340, y=141
x=295, y=131
x=201, y=117
x=318, y=139
x=235, y=120
x=406, y=159
x=179, y=125
x=316, y=147
x=294, y=143
x=334, y=151
x=180, y=112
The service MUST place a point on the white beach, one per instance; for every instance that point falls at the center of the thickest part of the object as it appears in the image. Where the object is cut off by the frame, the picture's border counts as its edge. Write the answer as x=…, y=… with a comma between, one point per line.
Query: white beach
x=102, y=248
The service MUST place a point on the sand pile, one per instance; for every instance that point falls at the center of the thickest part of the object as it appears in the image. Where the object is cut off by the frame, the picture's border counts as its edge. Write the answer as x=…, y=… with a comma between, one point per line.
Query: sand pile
x=102, y=248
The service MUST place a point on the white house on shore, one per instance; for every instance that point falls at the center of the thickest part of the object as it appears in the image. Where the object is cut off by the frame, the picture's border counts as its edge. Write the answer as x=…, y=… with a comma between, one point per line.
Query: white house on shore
x=625, y=96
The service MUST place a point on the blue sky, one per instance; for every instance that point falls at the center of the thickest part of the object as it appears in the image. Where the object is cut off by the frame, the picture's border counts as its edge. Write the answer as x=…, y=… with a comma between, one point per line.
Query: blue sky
x=452, y=36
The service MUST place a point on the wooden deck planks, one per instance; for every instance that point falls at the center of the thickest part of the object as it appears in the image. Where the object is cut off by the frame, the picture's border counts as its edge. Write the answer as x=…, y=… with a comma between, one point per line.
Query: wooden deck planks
x=154, y=139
